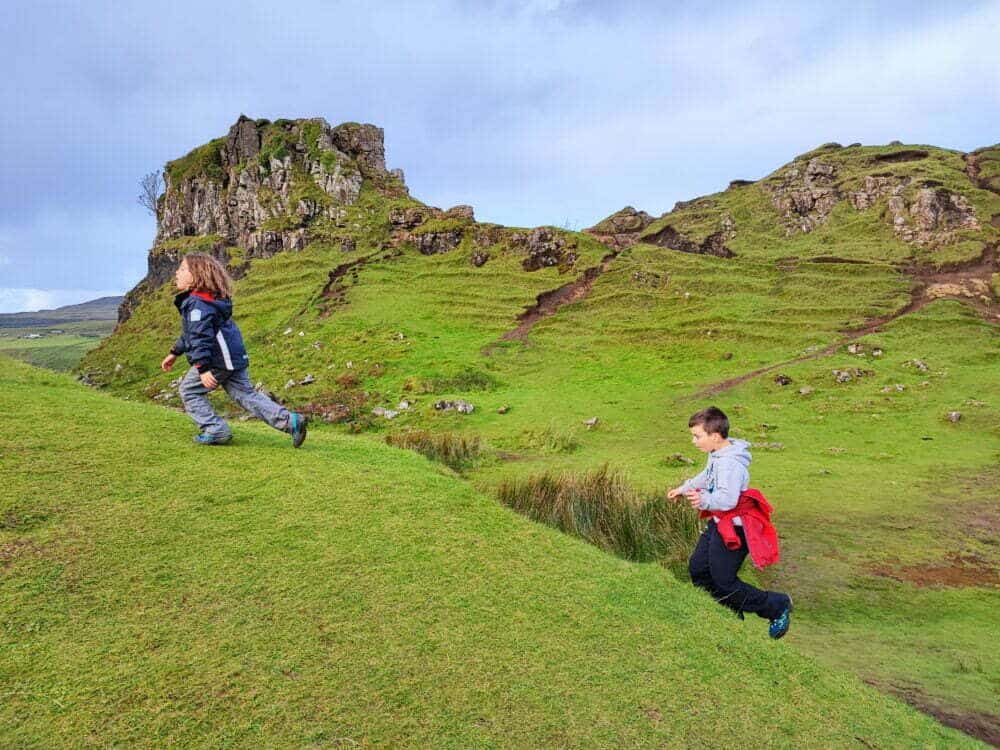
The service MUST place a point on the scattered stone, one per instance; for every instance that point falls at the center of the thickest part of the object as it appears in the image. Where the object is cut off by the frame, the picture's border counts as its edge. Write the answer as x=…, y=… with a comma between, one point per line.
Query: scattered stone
x=317, y=344
x=591, y=423
x=846, y=376
x=118, y=368
x=899, y=387
x=349, y=364
x=855, y=348
x=290, y=384
x=403, y=405
x=287, y=331
x=307, y=380
x=479, y=258
x=920, y=365
x=954, y=416
x=461, y=212
x=806, y=390
x=348, y=245
x=302, y=333
x=462, y=407
x=876, y=352
x=837, y=451
x=782, y=380
x=825, y=471
x=503, y=409
x=400, y=336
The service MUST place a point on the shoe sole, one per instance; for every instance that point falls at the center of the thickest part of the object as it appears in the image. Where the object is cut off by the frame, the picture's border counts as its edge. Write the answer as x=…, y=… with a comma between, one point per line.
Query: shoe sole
x=299, y=436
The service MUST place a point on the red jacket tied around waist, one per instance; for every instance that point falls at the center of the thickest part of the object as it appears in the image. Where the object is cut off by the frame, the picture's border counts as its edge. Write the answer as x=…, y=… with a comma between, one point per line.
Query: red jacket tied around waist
x=755, y=512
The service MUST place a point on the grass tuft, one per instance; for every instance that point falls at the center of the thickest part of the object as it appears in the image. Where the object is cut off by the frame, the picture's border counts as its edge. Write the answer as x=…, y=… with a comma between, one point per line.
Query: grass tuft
x=454, y=450
x=602, y=508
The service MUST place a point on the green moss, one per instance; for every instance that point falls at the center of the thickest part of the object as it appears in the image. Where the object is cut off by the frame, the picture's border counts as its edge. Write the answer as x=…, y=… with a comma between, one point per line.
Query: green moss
x=282, y=223
x=204, y=161
x=276, y=143
x=304, y=188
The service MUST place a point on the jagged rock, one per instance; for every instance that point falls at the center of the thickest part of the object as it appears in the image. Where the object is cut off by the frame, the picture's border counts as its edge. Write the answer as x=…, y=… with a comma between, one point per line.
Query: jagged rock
x=782, y=380
x=545, y=248
x=805, y=196
x=461, y=212
x=954, y=416
x=408, y=218
x=669, y=237
x=432, y=243
x=739, y=183
x=846, y=376
x=398, y=174
x=479, y=258
x=855, y=348
x=934, y=218
x=624, y=222
x=920, y=365
x=348, y=245
x=462, y=407
x=307, y=380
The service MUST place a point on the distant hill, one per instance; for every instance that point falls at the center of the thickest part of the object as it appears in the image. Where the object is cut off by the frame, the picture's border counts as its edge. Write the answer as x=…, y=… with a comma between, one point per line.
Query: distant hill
x=103, y=308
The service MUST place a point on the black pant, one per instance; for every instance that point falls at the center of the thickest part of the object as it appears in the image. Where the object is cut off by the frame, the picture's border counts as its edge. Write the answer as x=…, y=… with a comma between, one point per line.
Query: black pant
x=713, y=567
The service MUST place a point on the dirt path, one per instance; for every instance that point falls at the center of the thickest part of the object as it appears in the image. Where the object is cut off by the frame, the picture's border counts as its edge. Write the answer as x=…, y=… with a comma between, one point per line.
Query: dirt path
x=967, y=282
x=547, y=303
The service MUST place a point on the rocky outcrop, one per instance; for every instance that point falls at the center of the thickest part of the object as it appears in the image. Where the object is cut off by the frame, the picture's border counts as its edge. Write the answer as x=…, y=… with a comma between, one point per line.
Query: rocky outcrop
x=622, y=229
x=545, y=248
x=264, y=171
x=928, y=216
x=714, y=244
x=805, y=195
x=260, y=188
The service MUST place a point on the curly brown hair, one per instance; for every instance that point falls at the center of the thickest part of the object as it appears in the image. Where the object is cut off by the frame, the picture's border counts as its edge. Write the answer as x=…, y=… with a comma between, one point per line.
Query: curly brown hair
x=209, y=275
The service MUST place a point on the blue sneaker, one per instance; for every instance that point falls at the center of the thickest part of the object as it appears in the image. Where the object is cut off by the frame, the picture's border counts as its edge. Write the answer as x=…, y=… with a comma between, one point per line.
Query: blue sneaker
x=298, y=424
x=204, y=439
x=779, y=626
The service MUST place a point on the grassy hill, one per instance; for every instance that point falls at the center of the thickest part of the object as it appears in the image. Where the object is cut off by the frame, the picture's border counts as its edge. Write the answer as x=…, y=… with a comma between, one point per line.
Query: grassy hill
x=866, y=276
x=155, y=593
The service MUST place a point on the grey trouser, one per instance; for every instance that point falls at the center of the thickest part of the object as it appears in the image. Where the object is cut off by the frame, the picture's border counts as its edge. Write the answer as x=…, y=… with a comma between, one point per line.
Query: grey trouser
x=240, y=389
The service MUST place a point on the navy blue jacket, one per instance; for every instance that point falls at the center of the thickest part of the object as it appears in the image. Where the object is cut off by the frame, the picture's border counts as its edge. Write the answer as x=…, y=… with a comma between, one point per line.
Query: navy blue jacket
x=209, y=337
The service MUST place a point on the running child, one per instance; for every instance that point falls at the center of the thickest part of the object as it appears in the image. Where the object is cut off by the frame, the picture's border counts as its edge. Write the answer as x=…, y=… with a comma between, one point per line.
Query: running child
x=740, y=524
x=214, y=347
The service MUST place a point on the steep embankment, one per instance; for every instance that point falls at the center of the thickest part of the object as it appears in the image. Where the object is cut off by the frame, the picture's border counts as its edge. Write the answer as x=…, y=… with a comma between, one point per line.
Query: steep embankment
x=157, y=593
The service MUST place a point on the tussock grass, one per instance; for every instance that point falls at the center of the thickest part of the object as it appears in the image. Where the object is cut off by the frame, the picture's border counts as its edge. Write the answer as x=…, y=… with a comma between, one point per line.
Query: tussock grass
x=602, y=508
x=467, y=379
x=454, y=450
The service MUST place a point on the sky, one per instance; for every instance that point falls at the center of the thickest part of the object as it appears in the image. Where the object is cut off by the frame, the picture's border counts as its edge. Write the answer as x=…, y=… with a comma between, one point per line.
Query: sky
x=535, y=112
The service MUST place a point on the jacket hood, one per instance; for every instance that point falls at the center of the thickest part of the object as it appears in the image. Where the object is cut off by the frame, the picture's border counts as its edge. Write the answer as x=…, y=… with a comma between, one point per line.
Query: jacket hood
x=223, y=306
x=739, y=451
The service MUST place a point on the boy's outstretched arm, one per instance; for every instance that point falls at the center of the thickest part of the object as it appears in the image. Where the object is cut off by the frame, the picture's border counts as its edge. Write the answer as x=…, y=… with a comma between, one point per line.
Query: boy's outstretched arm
x=729, y=479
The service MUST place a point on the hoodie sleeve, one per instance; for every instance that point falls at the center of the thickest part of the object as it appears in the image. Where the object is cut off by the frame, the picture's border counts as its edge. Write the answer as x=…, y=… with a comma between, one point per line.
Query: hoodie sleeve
x=730, y=477
x=200, y=335
x=179, y=347
x=697, y=482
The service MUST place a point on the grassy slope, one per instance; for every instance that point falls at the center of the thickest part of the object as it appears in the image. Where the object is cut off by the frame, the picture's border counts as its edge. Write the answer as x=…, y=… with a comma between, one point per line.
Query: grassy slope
x=55, y=351
x=653, y=332
x=155, y=593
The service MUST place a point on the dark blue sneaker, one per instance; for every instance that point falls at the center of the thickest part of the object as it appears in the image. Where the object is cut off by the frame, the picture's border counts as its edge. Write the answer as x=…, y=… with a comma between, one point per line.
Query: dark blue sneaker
x=779, y=626
x=204, y=439
x=298, y=423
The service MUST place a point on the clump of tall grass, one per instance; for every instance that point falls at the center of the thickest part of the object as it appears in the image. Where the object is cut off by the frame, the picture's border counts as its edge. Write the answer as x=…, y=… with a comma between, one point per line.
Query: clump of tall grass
x=451, y=449
x=602, y=508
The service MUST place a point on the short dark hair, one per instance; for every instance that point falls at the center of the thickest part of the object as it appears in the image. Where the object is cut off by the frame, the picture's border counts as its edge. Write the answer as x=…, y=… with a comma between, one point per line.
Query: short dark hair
x=712, y=420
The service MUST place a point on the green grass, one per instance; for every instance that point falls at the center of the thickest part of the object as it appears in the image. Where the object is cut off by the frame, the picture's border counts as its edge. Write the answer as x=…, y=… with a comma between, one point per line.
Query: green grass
x=865, y=480
x=155, y=593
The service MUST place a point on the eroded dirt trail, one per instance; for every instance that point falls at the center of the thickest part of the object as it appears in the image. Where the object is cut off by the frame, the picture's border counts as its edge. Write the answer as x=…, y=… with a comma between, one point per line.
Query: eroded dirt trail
x=547, y=303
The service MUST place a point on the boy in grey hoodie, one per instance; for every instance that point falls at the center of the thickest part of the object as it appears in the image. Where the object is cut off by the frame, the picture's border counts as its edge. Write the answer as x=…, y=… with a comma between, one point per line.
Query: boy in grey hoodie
x=713, y=566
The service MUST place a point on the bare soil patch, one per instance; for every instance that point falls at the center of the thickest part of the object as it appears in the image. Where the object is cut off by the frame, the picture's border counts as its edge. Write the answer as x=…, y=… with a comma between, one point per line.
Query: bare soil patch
x=982, y=726
x=958, y=571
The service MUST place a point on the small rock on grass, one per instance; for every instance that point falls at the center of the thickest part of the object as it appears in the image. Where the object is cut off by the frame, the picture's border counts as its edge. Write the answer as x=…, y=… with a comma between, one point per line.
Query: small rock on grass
x=954, y=416
x=782, y=379
x=806, y=390
x=503, y=409
x=591, y=423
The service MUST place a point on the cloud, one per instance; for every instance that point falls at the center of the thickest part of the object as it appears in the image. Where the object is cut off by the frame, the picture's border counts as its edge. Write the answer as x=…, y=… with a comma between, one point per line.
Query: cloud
x=534, y=111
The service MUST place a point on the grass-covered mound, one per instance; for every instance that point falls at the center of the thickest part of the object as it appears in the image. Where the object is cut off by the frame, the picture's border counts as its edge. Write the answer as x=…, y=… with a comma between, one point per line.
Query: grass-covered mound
x=155, y=593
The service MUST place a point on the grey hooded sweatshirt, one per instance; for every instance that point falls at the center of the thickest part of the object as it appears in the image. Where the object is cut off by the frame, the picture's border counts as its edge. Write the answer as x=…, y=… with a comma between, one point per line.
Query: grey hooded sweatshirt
x=725, y=476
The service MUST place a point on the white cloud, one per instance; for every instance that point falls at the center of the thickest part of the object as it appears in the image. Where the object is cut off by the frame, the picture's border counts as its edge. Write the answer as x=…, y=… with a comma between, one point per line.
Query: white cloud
x=29, y=300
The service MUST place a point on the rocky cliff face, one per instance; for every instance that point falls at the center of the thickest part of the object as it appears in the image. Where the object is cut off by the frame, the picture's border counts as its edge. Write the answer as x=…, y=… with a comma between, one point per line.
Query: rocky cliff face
x=260, y=188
